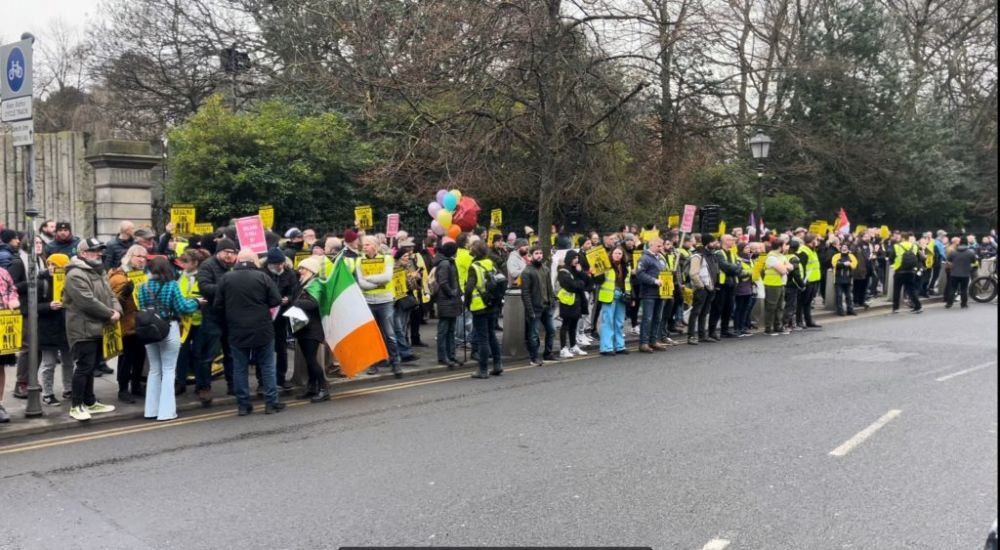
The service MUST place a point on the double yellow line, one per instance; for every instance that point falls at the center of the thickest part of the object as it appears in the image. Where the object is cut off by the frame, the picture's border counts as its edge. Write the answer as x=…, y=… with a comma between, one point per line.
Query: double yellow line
x=115, y=432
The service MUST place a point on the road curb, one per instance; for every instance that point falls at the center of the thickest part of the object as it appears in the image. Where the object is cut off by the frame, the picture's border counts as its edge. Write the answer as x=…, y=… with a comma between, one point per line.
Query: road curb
x=61, y=422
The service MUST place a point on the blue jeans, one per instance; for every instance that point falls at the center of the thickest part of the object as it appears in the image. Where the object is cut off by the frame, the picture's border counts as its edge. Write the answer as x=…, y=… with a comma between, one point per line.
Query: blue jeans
x=486, y=340
x=400, y=327
x=446, y=339
x=651, y=313
x=532, y=336
x=613, y=324
x=263, y=357
x=383, y=314
x=465, y=330
x=160, y=402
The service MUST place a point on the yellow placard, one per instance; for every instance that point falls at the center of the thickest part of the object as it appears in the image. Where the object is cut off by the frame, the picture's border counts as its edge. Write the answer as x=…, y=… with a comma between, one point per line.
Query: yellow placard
x=138, y=279
x=398, y=283
x=819, y=228
x=636, y=254
x=182, y=216
x=112, y=340
x=11, y=331
x=365, y=217
x=492, y=233
x=496, y=217
x=299, y=256
x=666, y=285
x=884, y=232
x=860, y=229
x=372, y=267
x=673, y=221
x=688, y=294
x=648, y=235
x=599, y=261
x=266, y=216
x=185, y=327
x=58, y=283
x=203, y=229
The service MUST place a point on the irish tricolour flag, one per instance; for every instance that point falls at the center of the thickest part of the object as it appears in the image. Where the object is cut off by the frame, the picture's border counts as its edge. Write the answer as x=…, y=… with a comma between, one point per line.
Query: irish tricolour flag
x=351, y=331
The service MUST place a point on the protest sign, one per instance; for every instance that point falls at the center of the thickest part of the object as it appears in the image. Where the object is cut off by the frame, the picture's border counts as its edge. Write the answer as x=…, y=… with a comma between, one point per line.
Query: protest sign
x=250, y=232
x=182, y=216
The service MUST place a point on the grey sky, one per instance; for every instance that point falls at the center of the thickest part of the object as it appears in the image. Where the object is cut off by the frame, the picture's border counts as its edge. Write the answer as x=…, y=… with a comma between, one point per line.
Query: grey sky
x=35, y=16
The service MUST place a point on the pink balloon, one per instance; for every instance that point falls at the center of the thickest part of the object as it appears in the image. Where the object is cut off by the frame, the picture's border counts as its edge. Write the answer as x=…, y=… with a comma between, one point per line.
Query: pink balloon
x=440, y=195
x=433, y=209
x=437, y=229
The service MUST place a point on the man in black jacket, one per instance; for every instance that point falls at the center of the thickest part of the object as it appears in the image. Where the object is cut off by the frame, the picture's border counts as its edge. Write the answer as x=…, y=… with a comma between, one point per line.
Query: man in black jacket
x=284, y=278
x=538, y=298
x=119, y=245
x=959, y=266
x=245, y=297
x=213, y=326
x=725, y=290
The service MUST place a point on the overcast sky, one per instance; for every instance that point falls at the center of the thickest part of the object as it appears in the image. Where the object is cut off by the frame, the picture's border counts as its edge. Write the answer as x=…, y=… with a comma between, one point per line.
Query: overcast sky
x=18, y=16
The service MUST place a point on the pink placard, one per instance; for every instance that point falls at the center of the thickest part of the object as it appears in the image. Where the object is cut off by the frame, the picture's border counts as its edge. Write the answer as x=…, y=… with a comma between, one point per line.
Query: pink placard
x=687, y=223
x=392, y=225
x=250, y=232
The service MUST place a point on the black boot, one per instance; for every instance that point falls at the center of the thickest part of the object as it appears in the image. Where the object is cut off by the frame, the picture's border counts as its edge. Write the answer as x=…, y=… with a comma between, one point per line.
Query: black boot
x=323, y=394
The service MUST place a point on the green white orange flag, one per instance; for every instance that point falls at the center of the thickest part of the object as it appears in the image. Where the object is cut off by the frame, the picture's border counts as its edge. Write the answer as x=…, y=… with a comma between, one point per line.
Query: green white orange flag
x=350, y=329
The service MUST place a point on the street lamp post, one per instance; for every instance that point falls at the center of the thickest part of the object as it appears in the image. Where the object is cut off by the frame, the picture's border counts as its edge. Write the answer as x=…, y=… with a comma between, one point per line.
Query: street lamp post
x=760, y=146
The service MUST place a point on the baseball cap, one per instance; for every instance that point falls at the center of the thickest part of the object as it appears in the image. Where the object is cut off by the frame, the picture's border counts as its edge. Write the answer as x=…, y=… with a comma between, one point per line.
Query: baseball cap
x=144, y=233
x=90, y=244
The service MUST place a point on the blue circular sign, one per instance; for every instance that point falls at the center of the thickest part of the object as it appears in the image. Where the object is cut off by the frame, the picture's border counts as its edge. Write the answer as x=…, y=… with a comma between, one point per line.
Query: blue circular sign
x=15, y=70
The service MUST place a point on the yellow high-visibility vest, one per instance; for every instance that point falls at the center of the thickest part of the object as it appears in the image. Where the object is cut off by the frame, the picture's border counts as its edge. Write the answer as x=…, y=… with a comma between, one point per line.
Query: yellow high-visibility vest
x=606, y=294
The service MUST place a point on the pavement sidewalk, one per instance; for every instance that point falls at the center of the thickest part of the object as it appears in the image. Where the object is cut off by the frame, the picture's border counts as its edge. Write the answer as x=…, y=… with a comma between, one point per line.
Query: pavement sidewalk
x=106, y=388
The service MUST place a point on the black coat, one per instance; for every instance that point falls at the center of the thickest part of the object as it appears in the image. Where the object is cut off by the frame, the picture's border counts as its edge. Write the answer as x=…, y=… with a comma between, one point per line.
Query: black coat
x=314, y=330
x=536, y=283
x=246, y=296
x=287, y=283
x=115, y=251
x=51, y=323
x=573, y=282
x=449, y=296
x=209, y=275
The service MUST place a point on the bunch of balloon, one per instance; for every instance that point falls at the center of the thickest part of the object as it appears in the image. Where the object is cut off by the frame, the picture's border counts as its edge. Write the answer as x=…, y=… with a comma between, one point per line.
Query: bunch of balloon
x=451, y=213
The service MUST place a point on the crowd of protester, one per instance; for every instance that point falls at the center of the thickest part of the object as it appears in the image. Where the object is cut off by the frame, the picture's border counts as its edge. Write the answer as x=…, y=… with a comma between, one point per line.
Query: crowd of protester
x=212, y=299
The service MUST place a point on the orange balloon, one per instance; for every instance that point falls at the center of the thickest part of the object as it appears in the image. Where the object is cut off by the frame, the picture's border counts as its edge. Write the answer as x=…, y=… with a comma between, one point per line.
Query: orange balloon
x=454, y=231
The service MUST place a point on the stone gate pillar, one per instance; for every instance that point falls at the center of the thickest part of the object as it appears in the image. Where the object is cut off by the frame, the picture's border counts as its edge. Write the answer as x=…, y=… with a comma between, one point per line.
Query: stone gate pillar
x=122, y=182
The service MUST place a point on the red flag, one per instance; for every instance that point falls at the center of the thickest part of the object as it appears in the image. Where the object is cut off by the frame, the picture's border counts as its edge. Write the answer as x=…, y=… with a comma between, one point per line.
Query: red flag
x=842, y=226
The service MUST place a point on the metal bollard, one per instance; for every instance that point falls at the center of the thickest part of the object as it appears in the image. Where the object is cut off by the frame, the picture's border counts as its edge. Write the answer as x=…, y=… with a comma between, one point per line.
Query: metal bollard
x=513, y=345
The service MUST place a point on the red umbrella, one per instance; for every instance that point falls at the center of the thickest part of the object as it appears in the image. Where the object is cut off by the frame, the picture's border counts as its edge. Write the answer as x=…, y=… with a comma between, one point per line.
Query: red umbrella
x=466, y=214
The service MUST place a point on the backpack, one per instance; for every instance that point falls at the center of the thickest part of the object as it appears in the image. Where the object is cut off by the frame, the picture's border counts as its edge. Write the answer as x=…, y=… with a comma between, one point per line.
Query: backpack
x=910, y=261
x=496, y=286
x=151, y=325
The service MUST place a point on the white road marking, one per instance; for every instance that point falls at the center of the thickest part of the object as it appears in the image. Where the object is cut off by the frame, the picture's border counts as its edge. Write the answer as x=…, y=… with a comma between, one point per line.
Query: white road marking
x=961, y=372
x=716, y=544
x=864, y=434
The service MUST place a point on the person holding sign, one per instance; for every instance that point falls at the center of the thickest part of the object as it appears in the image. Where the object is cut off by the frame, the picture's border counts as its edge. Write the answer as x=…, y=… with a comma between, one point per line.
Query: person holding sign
x=651, y=264
x=125, y=282
x=405, y=282
x=90, y=306
x=374, y=274
x=52, y=343
x=8, y=302
x=614, y=293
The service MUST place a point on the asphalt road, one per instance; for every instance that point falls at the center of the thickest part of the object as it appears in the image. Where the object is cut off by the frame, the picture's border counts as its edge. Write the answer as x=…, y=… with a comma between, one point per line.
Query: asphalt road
x=717, y=446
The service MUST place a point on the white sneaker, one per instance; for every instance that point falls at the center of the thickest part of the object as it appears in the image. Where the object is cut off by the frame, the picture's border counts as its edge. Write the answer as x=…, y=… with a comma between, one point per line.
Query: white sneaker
x=565, y=353
x=670, y=342
x=584, y=340
x=635, y=330
x=577, y=351
x=79, y=413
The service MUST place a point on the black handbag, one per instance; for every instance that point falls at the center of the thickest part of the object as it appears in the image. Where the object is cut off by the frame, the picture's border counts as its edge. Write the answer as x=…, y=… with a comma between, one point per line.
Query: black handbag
x=150, y=325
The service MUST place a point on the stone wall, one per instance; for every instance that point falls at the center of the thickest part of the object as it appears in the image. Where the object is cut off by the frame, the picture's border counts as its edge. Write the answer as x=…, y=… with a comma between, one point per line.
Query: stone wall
x=93, y=184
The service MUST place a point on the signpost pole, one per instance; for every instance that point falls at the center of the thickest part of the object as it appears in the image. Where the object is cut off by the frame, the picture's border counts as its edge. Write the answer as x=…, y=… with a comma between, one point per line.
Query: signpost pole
x=23, y=88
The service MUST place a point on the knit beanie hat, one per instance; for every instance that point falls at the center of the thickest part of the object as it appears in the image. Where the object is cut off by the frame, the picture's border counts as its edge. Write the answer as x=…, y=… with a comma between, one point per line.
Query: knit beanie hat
x=58, y=260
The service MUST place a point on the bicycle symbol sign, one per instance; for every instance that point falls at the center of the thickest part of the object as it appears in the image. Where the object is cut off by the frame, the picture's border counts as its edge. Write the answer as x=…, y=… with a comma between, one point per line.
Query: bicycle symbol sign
x=15, y=70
